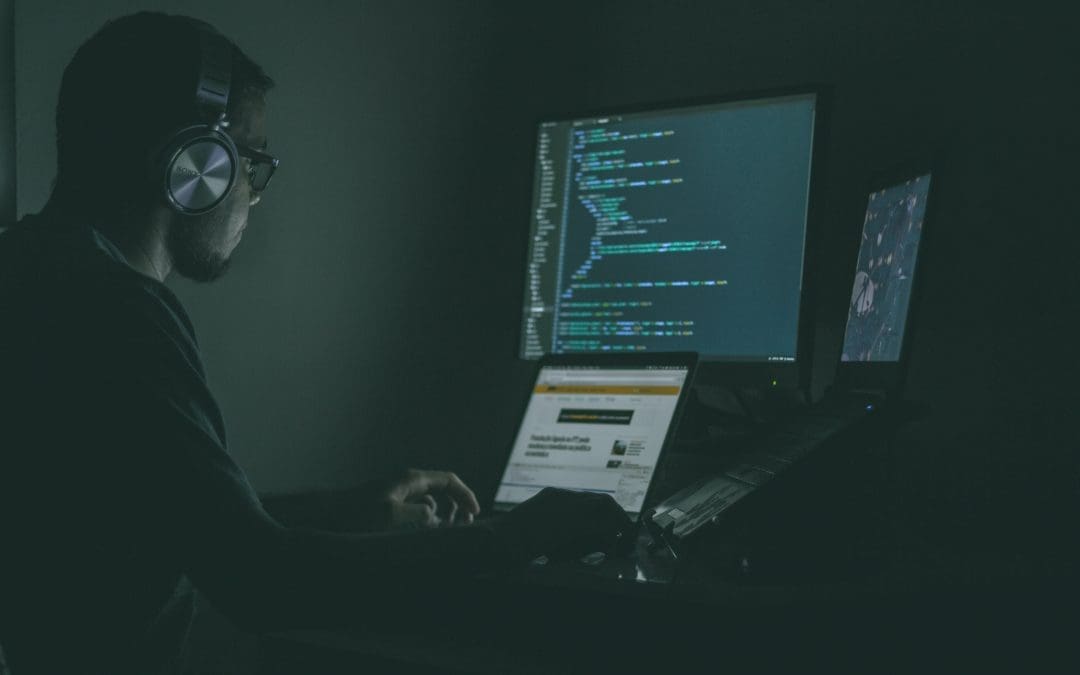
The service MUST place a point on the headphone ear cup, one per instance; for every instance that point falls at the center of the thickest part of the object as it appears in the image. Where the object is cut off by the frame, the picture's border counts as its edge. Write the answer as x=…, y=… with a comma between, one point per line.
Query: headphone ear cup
x=198, y=169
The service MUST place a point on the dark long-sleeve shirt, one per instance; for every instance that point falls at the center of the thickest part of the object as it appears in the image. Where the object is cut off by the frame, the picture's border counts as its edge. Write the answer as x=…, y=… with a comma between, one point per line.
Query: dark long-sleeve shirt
x=116, y=487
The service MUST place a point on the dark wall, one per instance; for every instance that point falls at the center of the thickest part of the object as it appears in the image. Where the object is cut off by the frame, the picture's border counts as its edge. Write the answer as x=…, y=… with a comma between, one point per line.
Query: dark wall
x=337, y=296
x=7, y=113
x=372, y=317
x=991, y=91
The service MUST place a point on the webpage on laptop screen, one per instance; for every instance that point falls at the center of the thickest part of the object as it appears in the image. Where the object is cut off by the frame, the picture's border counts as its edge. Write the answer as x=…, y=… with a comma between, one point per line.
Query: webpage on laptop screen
x=593, y=429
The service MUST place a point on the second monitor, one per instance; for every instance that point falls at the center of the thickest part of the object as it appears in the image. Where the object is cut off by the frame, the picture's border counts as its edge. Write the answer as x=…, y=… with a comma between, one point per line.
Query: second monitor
x=672, y=229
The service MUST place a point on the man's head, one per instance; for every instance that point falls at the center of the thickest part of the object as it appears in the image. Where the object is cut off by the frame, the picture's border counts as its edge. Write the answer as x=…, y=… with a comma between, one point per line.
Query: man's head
x=200, y=246
x=128, y=89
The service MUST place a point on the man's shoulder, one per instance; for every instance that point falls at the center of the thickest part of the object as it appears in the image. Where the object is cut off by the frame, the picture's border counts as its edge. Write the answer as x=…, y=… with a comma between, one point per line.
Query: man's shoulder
x=65, y=278
x=151, y=304
x=144, y=317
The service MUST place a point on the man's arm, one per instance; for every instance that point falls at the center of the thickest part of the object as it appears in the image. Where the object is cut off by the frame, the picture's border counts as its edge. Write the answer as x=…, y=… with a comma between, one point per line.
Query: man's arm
x=268, y=576
x=413, y=498
x=263, y=574
x=207, y=517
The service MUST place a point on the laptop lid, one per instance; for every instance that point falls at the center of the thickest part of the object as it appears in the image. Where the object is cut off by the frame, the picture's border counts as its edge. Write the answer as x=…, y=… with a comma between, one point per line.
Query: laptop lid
x=878, y=330
x=599, y=423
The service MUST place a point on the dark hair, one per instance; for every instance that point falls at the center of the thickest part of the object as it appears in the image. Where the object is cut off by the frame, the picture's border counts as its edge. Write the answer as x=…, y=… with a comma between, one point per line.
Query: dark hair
x=126, y=89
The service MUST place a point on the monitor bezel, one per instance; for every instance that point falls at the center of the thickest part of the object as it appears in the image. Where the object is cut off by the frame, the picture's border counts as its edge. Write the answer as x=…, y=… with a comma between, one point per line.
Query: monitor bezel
x=763, y=373
x=690, y=360
x=888, y=377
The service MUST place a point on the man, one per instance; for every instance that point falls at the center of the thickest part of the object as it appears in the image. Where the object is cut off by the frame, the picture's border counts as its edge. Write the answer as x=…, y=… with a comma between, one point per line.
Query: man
x=115, y=484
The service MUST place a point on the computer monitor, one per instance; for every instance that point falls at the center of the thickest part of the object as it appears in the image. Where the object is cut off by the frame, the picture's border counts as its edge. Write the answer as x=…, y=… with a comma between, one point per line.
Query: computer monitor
x=885, y=272
x=676, y=228
x=878, y=326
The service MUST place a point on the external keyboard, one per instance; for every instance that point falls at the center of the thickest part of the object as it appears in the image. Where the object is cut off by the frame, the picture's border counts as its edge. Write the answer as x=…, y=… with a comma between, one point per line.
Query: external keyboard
x=766, y=457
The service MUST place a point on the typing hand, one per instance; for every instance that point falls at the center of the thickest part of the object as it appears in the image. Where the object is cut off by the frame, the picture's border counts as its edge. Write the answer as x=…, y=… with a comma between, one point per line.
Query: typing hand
x=563, y=524
x=429, y=499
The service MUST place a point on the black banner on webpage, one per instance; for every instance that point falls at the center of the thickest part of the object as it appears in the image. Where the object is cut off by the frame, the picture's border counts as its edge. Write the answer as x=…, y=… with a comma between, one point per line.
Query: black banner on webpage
x=583, y=416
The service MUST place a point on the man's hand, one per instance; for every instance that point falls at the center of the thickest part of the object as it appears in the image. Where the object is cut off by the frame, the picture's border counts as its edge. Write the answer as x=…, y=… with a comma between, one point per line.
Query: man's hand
x=429, y=499
x=563, y=524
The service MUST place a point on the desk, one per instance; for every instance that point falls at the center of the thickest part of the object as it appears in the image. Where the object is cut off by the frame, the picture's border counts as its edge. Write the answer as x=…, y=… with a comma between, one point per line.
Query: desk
x=908, y=596
x=923, y=610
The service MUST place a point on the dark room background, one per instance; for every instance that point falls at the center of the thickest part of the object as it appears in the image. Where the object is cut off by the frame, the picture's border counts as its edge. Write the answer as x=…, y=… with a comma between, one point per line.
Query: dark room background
x=371, y=318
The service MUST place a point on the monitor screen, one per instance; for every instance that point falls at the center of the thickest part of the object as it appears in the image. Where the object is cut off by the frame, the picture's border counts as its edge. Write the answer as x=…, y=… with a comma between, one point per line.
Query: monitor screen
x=598, y=429
x=677, y=229
x=892, y=229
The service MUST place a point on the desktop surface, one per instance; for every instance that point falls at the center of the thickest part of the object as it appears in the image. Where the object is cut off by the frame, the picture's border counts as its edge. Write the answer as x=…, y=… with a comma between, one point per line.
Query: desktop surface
x=868, y=584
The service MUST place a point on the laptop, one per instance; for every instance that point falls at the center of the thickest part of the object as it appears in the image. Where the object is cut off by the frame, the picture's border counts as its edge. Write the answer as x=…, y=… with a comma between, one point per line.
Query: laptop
x=598, y=423
x=871, y=367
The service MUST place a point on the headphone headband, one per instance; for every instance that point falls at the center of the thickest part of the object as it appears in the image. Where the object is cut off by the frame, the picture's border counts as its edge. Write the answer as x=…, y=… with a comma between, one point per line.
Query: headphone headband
x=198, y=164
x=215, y=75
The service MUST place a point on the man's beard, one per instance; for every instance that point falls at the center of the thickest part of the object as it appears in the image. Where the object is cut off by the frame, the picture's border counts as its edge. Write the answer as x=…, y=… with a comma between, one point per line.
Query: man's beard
x=192, y=252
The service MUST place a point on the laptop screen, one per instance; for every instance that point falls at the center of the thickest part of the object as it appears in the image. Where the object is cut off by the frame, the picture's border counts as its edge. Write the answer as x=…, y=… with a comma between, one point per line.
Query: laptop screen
x=593, y=428
x=885, y=272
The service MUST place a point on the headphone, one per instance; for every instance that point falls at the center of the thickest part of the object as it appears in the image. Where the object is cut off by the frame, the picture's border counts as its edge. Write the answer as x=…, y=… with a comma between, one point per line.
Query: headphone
x=198, y=164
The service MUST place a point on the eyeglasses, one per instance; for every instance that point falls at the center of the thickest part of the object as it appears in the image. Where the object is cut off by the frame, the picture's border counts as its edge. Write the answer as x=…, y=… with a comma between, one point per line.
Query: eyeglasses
x=261, y=166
